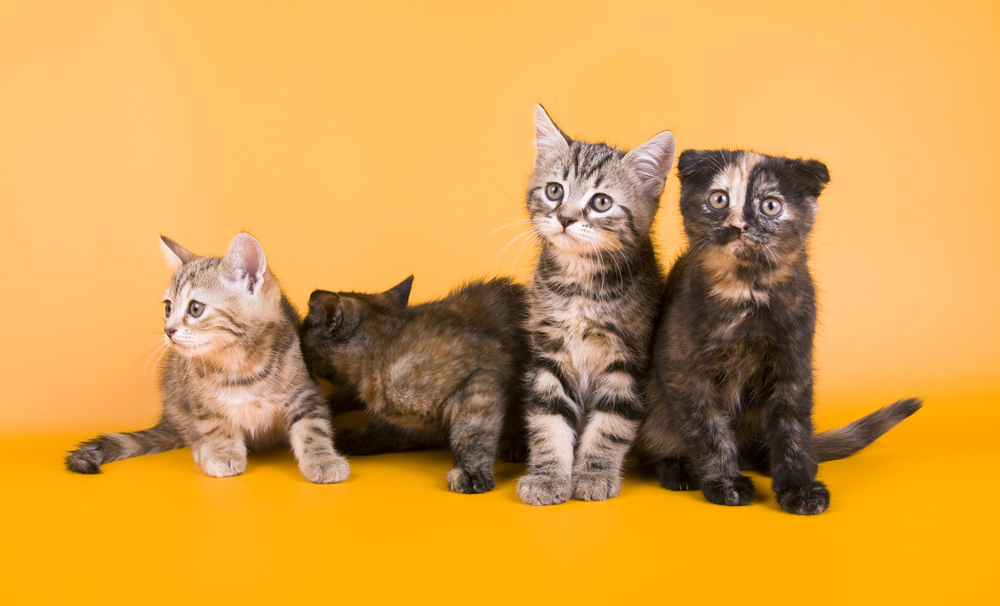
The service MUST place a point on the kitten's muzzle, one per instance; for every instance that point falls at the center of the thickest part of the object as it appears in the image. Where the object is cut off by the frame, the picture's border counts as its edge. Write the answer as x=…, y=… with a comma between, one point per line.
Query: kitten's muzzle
x=565, y=221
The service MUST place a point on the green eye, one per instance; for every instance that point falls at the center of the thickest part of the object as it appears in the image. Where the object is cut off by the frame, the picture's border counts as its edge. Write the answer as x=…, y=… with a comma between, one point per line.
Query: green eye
x=166, y=312
x=554, y=192
x=601, y=203
x=196, y=308
x=718, y=200
x=771, y=207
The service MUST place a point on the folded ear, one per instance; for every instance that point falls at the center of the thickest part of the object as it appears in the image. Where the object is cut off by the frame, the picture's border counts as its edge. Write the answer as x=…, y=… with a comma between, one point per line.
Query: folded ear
x=244, y=264
x=696, y=161
x=651, y=162
x=400, y=293
x=175, y=254
x=813, y=175
x=550, y=142
x=326, y=309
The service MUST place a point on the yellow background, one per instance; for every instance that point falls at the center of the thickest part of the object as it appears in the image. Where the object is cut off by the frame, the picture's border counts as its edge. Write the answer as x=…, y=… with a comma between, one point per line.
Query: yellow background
x=363, y=142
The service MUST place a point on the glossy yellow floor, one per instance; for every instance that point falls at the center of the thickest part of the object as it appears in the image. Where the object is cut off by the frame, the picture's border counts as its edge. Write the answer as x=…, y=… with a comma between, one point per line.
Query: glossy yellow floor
x=913, y=520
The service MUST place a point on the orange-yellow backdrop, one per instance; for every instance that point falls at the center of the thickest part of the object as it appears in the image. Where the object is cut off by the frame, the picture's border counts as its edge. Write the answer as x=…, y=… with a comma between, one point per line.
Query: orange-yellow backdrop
x=363, y=142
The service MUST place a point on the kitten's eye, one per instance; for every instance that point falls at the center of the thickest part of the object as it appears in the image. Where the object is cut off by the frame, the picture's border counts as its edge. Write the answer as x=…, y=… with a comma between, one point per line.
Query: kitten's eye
x=166, y=312
x=196, y=308
x=601, y=203
x=771, y=207
x=554, y=192
x=718, y=200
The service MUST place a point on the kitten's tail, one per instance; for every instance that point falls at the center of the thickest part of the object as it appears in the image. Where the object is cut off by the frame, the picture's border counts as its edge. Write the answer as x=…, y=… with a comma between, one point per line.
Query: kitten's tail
x=90, y=455
x=847, y=440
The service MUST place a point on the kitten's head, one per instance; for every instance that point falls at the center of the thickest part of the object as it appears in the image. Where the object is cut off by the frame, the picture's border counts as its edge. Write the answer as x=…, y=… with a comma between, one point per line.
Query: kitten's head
x=591, y=198
x=331, y=327
x=753, y=209
x=213, y=303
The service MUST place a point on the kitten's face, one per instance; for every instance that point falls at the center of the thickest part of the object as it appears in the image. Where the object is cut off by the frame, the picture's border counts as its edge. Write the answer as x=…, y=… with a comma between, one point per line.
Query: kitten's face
x=213, y=304
x=590, y=198
x=756, y=209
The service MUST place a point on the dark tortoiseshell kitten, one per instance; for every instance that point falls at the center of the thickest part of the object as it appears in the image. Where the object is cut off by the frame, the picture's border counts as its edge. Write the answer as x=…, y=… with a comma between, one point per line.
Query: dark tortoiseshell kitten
x=731, y=385
x=443, y=373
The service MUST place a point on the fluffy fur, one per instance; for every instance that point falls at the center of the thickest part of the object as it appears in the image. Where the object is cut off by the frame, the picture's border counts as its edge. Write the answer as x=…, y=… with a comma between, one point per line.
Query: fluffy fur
x=592, y=304
x=233, y=376
x=445, y=372
x=732, y=378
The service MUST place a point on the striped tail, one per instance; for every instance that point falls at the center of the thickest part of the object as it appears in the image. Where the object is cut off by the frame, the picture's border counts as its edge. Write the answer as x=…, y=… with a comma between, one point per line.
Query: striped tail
x=90, y=455
x=847, y=440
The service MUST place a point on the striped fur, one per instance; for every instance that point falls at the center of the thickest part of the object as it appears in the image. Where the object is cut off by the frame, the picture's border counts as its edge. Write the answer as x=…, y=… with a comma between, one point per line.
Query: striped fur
x=233, y=377
x=447, y=372
x=592, y=305
x=731, y=385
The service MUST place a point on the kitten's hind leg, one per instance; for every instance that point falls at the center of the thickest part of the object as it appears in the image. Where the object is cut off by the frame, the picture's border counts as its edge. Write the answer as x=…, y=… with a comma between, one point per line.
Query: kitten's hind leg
x=476, y=417
x=676, y=473
x=311, y=437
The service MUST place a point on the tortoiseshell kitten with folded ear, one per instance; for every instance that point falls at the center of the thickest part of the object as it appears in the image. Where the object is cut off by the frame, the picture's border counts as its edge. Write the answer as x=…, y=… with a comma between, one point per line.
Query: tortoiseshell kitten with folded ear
x=233, y=375
x=731, y=385
x=448, y=372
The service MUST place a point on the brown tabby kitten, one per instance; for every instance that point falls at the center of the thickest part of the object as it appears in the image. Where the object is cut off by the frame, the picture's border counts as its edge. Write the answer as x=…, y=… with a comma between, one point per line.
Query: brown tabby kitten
x=732, y=379
x=233, y=377
x=592, y=306
x=449, y=371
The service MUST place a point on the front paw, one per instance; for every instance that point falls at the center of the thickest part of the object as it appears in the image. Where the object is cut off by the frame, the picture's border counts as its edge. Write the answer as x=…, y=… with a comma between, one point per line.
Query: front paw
x=544, y=490
x=327, y=470
x=591, y=486
x=807, y=500
x=730, y=491
x=467, y=481
x=677, y=474
x=223, y=466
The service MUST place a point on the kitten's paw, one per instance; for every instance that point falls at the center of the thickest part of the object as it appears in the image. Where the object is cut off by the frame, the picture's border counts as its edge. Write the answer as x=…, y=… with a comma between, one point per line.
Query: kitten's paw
x=807, y=500
x=591, y=486
x=85, y=459
x=676, y=474
x=327, y=470
x=544, y=490
x=223, y=467
x=731, y=491
x=468, y=481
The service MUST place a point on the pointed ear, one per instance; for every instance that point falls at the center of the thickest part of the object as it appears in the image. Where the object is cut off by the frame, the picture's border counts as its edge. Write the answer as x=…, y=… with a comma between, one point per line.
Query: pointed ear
x=326, y=309
x=244, y=264
x=651, y=162
x=550, y=142
x=175, y=254
x=400, y=293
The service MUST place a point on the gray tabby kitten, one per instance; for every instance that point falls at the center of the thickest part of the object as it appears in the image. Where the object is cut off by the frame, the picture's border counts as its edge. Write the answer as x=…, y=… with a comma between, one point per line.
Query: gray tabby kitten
x=448, y=371
x=233, y=377
x=592, y=305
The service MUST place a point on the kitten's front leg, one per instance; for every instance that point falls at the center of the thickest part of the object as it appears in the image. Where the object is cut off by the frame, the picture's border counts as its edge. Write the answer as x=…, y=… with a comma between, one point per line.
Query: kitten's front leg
x=714, y=445
x=219, y=450
x=475, y=425
x=311, y=437
x=789, y=442
x=551, y=418
x=607, y=438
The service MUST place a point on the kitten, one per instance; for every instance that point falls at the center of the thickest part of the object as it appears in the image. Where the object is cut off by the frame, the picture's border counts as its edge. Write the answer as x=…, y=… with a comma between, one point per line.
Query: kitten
x=446, y=372
x=592, y=306
x=731, y=383
x=233, y=375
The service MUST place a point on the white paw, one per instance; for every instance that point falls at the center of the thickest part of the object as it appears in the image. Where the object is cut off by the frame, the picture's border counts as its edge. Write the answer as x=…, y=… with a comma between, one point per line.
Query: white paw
x=223, y=467
x=328, y=470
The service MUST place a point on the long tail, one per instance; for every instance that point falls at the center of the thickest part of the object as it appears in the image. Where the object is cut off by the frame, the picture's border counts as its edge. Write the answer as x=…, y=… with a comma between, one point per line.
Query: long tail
x=847, y=440
x=90, y=455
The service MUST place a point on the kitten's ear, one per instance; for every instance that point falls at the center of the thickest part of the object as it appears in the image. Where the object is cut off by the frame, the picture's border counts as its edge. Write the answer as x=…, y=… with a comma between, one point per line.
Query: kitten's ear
x=652, y=161
x=175, y=254
x=813, y=174
x=550, y=142
x=400, y=293
x=698, y=161
x=244, y=264
x=326, y=308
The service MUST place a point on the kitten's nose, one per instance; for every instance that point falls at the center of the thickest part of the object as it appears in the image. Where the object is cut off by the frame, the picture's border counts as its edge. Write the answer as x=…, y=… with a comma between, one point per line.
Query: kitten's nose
x=170, y=332
x=566, y=221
